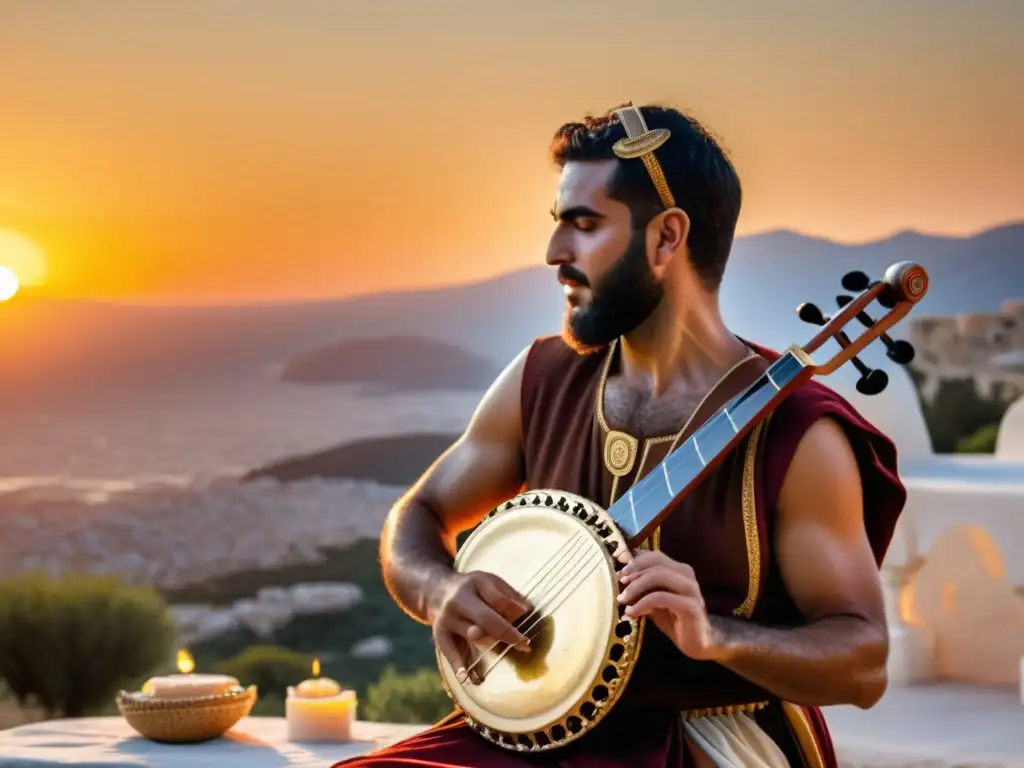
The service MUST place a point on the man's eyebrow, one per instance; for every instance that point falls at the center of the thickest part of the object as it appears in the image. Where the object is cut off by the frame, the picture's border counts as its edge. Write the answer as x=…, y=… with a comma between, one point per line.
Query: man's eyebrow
x=575, y=212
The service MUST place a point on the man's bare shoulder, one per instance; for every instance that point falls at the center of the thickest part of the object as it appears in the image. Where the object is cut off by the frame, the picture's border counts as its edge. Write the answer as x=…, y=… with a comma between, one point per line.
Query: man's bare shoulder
x=818, y=437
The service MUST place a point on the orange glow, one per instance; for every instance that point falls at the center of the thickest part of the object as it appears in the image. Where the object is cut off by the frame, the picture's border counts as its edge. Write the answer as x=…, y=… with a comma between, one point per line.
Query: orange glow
x=317, y=687
x=23, y=258
x=185, y=662
x=8, y=283
x=348, y=150
x=907, y=613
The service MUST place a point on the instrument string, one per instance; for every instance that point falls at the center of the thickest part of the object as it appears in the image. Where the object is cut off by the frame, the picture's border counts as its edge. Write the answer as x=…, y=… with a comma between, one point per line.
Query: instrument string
x=535, y=593
x=542, y=604
x=558, y=561
x=564, y=595
x=553, y=562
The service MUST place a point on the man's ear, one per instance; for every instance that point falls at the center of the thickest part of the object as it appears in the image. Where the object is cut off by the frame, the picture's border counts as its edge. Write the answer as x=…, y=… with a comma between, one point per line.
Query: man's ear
x=671, y=230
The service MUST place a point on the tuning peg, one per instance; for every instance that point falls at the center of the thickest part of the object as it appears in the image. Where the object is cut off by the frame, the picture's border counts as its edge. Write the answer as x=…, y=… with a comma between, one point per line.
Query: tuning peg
x=856, y=281
x=872, y=380
x=899, y=351
x=810, y=313
x=888, y=297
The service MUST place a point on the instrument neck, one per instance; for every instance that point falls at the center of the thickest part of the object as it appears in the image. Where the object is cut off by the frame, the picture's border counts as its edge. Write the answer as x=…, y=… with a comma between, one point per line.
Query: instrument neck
x=642, y=508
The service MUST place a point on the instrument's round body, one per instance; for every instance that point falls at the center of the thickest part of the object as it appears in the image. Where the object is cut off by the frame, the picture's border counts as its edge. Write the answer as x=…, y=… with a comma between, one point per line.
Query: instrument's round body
x=560, y=551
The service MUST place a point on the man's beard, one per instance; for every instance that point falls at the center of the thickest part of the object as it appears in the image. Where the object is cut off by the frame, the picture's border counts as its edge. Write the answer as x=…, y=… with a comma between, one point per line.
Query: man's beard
x=619, y=303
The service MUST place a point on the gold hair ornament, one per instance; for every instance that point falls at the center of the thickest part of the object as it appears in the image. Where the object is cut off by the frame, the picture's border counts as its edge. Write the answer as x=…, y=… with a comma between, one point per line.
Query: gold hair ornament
x=641, y=142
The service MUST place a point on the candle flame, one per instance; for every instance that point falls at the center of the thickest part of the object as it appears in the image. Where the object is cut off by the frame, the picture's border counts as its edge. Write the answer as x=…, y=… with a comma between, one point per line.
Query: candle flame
x=185, y=662
x=316, y=667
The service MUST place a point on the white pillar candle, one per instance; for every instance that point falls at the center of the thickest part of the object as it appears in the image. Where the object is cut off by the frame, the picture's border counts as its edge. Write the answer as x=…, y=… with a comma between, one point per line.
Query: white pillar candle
x=318, y=709
x=186, y=684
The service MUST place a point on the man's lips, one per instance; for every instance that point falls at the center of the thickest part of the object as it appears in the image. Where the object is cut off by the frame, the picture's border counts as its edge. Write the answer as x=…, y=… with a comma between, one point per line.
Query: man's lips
x=568, y=283
x=572, y=292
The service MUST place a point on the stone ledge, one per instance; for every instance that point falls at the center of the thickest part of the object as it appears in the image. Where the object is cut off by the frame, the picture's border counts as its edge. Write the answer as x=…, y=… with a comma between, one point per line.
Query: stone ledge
x=940, y=726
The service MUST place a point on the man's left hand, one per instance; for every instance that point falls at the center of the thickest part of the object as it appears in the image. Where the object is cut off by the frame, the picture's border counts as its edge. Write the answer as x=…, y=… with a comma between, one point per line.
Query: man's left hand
x=667, y=591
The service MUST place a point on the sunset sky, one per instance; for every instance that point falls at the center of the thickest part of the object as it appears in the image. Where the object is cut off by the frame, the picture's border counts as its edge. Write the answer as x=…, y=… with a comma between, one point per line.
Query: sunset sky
x=191, y=151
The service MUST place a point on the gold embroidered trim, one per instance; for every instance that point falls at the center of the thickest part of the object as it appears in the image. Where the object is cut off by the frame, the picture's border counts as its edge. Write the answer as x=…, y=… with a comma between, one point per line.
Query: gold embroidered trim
x=729, y=709
x=601, y=384
x=750, y=532
x=804, y=734
x=619, y=452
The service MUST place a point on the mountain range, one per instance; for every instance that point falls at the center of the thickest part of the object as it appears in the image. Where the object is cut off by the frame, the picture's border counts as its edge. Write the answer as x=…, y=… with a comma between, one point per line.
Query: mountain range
x=83, y=351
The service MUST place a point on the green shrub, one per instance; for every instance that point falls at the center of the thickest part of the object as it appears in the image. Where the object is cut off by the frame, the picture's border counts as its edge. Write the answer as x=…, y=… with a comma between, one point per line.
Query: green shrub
x=269, y=667
x=416, y=698
x=981, y=441
x=958, y=411
x=67, y=644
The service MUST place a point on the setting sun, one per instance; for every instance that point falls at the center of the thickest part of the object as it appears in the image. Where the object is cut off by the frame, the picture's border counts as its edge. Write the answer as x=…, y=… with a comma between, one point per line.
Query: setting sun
x=8, y=283
x=22, y=261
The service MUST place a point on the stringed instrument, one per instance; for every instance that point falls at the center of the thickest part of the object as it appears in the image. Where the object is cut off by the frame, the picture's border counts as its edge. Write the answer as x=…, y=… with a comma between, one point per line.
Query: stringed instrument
x=562, y=552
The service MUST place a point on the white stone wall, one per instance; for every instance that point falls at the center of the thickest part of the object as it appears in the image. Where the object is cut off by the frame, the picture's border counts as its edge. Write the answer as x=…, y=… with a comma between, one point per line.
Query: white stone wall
x=1010, y=442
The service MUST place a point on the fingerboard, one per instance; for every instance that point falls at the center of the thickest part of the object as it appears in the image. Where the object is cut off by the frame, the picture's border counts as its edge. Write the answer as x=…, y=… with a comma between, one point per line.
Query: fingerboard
x=646, y=503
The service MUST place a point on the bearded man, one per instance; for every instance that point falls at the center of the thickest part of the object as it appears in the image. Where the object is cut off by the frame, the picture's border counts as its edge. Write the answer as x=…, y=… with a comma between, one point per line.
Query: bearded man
x=761, y=587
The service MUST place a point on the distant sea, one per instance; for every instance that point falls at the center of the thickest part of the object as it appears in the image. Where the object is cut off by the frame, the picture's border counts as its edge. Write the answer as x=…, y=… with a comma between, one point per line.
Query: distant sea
x=185, y=439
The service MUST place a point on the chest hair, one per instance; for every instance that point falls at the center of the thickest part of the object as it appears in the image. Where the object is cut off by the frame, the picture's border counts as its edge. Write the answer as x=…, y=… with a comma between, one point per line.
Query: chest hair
x=635, y=410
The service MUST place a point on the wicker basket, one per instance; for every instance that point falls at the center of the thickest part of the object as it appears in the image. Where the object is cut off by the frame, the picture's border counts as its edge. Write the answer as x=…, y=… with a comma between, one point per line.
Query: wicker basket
x=186, y=720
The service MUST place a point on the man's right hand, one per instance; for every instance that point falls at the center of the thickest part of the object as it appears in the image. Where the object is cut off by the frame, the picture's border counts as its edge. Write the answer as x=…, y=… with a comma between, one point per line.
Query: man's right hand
x=477, y=609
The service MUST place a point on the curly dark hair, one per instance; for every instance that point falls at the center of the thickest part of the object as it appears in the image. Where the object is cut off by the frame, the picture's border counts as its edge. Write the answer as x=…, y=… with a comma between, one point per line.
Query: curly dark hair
x=701, y=177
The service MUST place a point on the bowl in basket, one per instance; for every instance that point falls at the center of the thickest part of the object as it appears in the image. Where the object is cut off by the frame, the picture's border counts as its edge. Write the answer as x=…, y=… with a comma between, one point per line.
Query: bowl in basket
x=186, y=720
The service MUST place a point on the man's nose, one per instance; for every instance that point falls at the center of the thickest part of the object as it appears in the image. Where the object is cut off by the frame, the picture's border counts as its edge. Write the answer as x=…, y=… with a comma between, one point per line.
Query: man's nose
x=558, y=253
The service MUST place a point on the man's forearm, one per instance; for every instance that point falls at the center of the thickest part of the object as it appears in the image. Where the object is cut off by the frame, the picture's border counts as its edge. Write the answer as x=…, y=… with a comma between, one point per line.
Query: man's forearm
x=837, y=660
x=416, y=558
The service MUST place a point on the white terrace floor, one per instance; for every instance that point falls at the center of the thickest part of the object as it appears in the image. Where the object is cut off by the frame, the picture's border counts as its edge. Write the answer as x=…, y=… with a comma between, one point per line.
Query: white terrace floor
x=921, y=727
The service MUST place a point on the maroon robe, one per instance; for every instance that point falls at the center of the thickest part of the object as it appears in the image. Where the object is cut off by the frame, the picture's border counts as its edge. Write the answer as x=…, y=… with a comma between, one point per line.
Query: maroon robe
x=724, y=529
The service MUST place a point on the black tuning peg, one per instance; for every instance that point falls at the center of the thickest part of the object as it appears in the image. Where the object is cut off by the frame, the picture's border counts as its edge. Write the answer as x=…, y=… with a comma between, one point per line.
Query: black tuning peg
x=899, y=351
x=856, y=281
x=872, y=380
x=888, y=297
x=810, y=313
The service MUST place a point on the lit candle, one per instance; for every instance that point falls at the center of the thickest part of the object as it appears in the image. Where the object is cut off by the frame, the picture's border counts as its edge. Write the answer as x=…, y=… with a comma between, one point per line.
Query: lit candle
x=318, y=709
x=186, y=684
